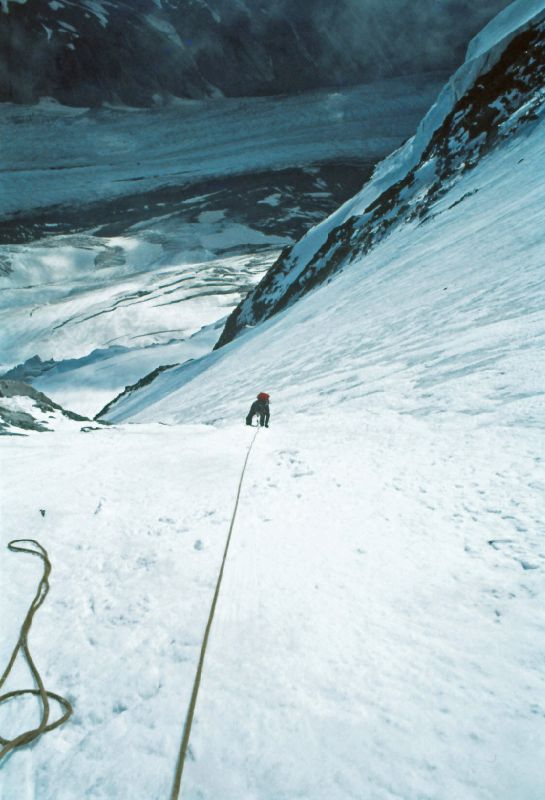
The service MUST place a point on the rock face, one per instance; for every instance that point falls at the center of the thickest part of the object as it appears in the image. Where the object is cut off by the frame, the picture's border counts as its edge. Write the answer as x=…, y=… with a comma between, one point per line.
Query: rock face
x=144, y=52
x=91, y=52
x=504, y=95
x=23, y=408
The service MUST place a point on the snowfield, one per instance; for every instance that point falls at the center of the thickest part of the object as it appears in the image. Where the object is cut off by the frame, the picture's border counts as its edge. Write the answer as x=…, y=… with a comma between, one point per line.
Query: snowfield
x=380, y=630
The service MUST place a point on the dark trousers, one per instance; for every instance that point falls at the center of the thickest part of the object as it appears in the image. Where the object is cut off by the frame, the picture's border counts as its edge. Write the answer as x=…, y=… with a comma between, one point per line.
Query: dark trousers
x=263, y=418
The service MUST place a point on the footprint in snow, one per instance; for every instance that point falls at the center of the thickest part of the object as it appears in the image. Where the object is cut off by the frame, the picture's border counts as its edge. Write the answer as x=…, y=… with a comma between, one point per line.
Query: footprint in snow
x=145, y=562
x=526, y=564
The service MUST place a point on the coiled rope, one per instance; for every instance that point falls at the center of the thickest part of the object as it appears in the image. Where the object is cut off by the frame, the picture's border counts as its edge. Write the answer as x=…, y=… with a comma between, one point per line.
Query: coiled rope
x=45, y=726
x=197, y=682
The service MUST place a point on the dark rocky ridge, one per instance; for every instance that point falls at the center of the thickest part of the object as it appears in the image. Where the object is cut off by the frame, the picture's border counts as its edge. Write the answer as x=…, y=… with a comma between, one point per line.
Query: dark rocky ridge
x=145, y=381
x=142, y=52
x=11, y=418
x=500, y=102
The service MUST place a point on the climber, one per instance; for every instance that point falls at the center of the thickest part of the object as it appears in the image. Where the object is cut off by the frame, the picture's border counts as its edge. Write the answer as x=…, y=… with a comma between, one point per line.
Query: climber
x=261, y=407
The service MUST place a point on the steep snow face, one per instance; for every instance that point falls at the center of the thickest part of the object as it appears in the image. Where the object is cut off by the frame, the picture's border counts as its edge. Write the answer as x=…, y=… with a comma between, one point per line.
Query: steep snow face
x=90, y=52
x=440, y=320
x=498, y=91
x=463, y=229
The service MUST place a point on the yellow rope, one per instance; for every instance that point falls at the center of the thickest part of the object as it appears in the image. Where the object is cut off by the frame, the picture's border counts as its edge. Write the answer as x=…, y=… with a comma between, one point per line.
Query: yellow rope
x=193, y=702
x=45, y=726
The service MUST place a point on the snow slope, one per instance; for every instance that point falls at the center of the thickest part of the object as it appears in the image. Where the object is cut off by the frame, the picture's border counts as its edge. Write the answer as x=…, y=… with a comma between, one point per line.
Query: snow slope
x=380, y=630
x=445, y=319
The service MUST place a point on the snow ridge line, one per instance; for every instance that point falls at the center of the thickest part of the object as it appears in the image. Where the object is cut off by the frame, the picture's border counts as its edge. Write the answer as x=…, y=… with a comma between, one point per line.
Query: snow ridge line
x=22, y=644
x=198, y=675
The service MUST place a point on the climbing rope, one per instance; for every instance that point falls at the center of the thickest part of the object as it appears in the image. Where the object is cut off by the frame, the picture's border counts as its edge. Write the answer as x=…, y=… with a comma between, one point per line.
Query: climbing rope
x=197, y=682
x=45, y=726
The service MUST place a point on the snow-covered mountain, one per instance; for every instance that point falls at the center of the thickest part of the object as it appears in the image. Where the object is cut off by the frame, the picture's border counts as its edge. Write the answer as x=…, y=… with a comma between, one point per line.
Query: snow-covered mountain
x=141, y=53
x=495, y=95
x=139, y=228
x=380, y=626
x=24, y=409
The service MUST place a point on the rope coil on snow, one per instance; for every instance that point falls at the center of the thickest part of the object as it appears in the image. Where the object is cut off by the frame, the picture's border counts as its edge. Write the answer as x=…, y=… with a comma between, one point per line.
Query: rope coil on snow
x=45, y=726
x=193, y=702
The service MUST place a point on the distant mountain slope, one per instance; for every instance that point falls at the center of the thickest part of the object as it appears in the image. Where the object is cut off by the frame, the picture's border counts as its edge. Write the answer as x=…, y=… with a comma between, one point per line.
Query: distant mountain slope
x=497, y=91
x=141, y=52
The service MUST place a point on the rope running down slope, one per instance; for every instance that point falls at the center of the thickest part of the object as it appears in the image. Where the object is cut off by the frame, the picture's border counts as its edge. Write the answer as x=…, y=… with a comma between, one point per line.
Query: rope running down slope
x=193, y=702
